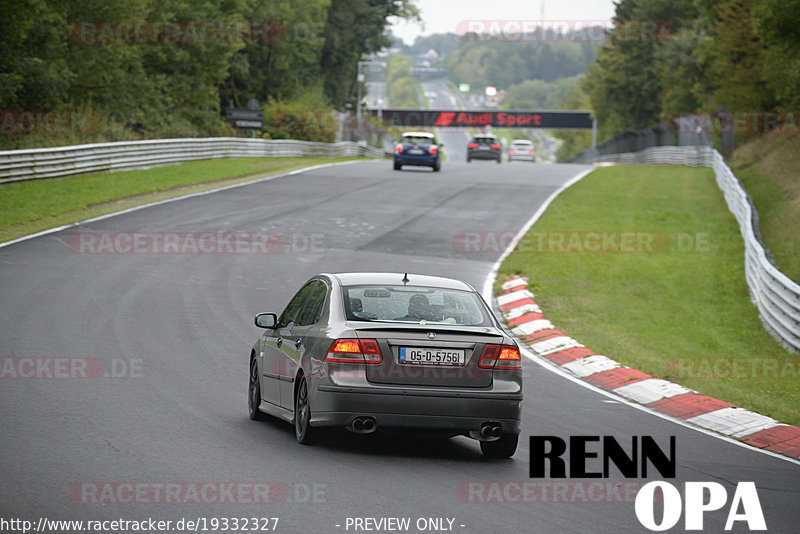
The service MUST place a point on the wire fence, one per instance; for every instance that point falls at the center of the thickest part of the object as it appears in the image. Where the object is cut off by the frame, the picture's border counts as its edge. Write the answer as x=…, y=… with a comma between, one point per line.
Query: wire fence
x=16, y=165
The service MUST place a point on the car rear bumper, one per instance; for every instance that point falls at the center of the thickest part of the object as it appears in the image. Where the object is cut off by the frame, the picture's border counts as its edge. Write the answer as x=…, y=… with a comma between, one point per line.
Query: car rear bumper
x=422, y=161
x=522, y=157
x=458, y=412
x=483, y=154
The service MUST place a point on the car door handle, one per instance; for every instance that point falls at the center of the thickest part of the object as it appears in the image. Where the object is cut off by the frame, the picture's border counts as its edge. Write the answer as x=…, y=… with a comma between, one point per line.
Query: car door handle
x=279, y=342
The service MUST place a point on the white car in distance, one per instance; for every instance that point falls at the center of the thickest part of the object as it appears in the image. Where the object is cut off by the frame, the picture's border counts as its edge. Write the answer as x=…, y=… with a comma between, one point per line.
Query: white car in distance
x=521, y=149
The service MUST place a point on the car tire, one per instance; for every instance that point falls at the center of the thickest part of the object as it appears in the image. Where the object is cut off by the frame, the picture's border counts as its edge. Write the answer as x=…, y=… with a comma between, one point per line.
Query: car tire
x=469, y=160
x=500, y=159
x=397, y=166
x=437, y=167
x=302, y=414
x=254, y=393
x=505, y=447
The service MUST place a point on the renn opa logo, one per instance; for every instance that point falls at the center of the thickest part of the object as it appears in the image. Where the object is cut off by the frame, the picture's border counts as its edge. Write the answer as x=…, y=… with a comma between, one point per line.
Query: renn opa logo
x=584, y=460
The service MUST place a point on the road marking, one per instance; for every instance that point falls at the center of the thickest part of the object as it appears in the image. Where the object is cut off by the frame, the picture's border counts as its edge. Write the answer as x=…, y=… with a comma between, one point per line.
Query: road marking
x=526, y=329
x=554, y=344
x=734, y=422
x=522, y=310
x=590, y=365
x=650, y=390
x=514, y=296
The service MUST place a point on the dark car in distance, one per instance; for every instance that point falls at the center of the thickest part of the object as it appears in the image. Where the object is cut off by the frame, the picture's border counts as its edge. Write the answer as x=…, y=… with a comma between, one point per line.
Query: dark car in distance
x=368, y=351
x=418, y=148
x=485, y=146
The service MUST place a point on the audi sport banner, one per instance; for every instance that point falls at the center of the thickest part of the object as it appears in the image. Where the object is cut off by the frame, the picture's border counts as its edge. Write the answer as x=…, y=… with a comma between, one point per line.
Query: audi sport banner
x=573, y=120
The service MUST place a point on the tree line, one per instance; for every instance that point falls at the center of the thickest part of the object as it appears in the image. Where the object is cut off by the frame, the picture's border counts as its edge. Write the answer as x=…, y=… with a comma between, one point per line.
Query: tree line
x=740, y=55
x=159, y=68
x=504, y=64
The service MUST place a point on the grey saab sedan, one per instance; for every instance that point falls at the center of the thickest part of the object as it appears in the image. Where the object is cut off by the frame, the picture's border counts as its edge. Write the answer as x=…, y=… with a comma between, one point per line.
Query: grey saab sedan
x=370, y=351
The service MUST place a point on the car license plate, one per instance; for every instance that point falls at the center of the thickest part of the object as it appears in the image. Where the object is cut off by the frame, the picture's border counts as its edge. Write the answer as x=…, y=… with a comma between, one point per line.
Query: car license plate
x=415, y=151
x=484, y=147
x=428, y=356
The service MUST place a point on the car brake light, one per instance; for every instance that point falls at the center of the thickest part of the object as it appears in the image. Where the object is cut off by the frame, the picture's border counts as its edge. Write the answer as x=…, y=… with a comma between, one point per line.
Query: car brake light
x=496, y=147
x=509, y=358
x=500, y=357
x=432, y=149
x=531, y=151
x=354, y=351
x=398, y=148
x=511, y=150
x=472, y=145
x=489, y=356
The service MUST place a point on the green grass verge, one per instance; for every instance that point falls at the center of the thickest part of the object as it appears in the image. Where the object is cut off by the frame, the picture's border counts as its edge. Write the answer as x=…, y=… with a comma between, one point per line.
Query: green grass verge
x=676, y=307
x=768, y=168
x=35, y=205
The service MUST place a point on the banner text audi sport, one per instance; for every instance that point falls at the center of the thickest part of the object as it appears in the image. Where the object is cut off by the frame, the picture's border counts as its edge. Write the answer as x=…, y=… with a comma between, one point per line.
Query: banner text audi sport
x=573, y=120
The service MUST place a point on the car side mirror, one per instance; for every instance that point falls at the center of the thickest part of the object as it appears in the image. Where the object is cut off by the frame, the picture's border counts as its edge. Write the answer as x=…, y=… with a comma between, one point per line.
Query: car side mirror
x=441, y=145
x=266, y=320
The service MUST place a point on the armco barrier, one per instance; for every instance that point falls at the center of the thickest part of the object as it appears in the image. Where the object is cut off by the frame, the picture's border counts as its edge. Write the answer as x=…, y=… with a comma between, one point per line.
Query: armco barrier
x=29, y=164
x=776, y=296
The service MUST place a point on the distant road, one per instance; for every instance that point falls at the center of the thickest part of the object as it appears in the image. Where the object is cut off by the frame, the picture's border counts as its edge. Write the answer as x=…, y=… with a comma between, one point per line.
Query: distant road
x=455, y=140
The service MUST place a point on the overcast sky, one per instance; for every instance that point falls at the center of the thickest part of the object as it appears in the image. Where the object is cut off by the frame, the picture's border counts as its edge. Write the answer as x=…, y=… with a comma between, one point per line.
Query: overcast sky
x=443, y=16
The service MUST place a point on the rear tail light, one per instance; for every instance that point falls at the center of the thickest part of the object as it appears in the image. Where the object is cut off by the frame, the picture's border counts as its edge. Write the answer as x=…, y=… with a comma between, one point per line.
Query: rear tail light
x=531, y=151
x=489, y=356
x=398, y=148
x=472, y=145
x=432, y=149
x=500, y=357
x=354, y=351
x=511, y=150
x=509, y=358
x=496, y=147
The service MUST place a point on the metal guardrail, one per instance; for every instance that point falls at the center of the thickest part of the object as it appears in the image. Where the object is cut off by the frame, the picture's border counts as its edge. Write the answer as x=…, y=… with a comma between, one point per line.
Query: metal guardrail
x=16, y=165
x=688, y=130
x=776, y=296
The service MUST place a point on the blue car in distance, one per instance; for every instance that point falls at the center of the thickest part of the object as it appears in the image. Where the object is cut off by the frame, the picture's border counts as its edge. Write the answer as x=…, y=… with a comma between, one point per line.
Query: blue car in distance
x=418, y=148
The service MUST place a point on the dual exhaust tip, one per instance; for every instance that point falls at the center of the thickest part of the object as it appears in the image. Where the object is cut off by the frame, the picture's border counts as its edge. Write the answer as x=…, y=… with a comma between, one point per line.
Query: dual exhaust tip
x=491, y=431
x=363, y=425
x=366, y=424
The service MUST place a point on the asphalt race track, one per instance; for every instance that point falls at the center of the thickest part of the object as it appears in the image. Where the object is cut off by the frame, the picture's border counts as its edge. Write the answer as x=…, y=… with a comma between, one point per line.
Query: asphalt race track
x=176, y=329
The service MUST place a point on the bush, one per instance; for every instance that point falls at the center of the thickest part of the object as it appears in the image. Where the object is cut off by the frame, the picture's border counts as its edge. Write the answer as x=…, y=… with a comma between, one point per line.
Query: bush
x=308, y=117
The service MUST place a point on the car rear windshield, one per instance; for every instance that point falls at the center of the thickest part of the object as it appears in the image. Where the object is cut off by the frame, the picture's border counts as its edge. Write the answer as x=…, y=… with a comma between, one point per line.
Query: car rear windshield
x=419, y=305
x=522, y=143
x=484, y=140
x=417, y=139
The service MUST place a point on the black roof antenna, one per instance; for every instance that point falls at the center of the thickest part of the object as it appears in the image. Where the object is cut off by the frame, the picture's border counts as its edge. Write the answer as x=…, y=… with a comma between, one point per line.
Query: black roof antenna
x=405, y=279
